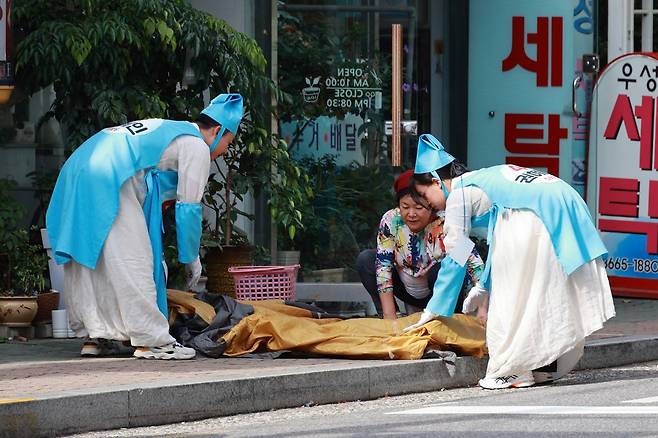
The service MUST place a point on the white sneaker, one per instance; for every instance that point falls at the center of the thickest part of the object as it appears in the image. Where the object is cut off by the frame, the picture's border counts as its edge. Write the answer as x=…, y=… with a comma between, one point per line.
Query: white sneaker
x=523, y=380
x=166, y=352
x=99, y=347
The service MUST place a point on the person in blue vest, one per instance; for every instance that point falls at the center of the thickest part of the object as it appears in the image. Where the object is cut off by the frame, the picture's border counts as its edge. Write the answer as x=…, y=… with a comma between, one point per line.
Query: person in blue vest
x=104, y=222
x=548, y=287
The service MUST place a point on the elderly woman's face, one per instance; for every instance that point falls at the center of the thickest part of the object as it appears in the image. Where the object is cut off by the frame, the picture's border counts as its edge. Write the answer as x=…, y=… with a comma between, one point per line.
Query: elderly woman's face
x=416, y=216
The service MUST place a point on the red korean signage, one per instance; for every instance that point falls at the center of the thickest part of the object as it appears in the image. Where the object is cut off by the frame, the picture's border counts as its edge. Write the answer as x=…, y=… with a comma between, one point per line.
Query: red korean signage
x=624, y=188
x=542, y=140
x=524, y=57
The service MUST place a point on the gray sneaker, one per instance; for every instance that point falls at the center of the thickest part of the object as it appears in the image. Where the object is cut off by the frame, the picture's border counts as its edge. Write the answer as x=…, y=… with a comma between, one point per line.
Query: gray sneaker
x=166, y=352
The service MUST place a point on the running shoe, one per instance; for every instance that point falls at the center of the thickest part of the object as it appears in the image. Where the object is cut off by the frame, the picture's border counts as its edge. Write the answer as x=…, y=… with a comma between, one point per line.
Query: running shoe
x=165, y=352
x=523, y=380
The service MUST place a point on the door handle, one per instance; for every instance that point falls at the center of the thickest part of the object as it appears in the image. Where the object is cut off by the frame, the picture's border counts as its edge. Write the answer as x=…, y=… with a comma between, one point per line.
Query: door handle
x=396, y=98
x=408, y=127
x=574, y=101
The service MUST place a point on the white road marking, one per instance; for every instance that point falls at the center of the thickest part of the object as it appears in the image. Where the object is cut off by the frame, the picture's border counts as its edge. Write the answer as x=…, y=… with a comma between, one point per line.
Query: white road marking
x=531, y=410
x=643, y=400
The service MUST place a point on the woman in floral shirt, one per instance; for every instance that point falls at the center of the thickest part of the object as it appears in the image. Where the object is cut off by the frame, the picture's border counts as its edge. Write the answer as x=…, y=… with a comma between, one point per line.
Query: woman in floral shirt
x=408, y=255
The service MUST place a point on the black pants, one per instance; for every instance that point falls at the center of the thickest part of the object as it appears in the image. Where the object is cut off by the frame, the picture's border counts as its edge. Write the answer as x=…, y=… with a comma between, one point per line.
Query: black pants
x=365, y=266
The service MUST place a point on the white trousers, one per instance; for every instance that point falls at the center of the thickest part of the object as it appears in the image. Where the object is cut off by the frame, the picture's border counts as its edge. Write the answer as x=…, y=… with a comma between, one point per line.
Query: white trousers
x=537, y=312
x=117, y=300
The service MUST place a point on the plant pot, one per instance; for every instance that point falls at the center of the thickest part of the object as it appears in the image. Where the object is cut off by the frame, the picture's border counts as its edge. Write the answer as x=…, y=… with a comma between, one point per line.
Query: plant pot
x=46, y=302
x=5, y=93
x=17, y=311
x=218, y=260
x=288, y=258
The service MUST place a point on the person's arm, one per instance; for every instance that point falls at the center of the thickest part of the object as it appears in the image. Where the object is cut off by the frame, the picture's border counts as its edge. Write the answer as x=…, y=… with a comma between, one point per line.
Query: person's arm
x=463, y=203
x=193, y=170
x=385, y=263
x=190, y=157
x=458, y=246
x=477, y=300
x=388, y=305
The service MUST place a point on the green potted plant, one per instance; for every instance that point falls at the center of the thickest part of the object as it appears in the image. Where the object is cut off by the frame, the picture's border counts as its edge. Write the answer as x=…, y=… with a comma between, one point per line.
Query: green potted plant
x=11, y=212
x=18, y=305
x=30, y=263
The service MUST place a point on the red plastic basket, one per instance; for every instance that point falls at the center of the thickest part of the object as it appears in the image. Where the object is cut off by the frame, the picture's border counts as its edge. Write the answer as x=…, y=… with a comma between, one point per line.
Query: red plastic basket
x=264, y=282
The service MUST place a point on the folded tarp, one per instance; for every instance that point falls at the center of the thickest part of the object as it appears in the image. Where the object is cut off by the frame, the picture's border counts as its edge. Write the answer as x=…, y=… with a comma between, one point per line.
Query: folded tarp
x=275, y=326
x=199, y=320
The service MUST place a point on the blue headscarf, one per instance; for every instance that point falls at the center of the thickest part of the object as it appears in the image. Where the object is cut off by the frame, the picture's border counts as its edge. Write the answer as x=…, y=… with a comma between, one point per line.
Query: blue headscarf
x=227, y=110
x=432, y=156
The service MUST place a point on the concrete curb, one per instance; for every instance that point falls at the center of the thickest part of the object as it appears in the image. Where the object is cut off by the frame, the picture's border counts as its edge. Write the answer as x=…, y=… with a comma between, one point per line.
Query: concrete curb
x=612, y=352
x=152, y=405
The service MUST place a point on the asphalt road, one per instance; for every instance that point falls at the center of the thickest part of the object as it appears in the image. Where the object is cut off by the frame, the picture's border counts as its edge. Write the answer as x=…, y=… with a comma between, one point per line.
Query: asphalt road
x=615, y=402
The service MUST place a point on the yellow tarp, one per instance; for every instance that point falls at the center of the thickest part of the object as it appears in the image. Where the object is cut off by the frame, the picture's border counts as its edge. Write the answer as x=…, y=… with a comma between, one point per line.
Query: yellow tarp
x=184, y=302
x=275, y=326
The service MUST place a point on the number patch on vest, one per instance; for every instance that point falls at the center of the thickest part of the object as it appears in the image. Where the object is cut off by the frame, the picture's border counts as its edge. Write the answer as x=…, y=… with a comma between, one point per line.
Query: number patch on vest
x=139, y=127
x=524, y=175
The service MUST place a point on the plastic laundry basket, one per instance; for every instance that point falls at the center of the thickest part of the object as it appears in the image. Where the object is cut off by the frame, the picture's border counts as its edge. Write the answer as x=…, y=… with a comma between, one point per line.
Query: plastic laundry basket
x=264, y=282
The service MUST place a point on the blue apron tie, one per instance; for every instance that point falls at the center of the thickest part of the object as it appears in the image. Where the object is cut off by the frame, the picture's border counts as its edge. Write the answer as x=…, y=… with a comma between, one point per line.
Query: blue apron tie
x=153, y=214
x=493, y=216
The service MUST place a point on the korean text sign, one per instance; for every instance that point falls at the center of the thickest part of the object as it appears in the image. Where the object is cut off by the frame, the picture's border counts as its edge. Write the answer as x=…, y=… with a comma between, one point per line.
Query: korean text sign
x=523, y=59
x=624, y=147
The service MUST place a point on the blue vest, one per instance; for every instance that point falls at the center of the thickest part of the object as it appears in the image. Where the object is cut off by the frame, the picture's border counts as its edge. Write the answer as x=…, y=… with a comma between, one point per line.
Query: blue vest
x=85, y=200
x=564, y=213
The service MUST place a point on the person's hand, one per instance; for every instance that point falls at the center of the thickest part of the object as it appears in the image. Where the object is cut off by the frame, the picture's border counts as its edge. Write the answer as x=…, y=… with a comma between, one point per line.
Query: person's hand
x=425, y=317
x=477, y=300
x=483, y=310
x=192, y=273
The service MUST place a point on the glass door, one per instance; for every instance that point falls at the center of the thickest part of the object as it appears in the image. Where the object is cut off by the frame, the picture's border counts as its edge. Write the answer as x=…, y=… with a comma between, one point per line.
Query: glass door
x=335, y=63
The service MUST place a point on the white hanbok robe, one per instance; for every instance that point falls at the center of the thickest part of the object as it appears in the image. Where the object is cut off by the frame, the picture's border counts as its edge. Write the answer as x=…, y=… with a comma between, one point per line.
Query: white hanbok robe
x=537, y=312
x=117, y=300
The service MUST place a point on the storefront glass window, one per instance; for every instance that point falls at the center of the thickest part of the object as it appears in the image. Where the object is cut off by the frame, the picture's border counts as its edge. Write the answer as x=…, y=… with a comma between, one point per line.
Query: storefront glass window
x=334, y=61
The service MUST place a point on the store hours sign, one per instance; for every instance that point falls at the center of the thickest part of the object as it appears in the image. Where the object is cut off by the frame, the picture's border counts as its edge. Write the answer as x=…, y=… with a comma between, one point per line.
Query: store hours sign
x=334, y=106
x=624, y=150
x=353, y=87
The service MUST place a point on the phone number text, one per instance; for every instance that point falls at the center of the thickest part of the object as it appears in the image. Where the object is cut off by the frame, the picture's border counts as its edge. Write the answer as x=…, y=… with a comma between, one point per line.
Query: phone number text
x=637, y=265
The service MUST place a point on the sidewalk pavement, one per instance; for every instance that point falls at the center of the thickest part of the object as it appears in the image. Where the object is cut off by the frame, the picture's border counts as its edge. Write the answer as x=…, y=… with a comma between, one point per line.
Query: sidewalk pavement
x=47, y=389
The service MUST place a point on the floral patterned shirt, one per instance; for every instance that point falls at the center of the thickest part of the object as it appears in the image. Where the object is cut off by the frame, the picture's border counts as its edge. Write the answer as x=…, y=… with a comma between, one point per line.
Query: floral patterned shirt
x=413, y=253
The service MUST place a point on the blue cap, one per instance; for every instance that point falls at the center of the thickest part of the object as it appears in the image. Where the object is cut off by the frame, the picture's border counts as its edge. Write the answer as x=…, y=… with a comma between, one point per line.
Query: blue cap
x=431, y=155
x=226, y=109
